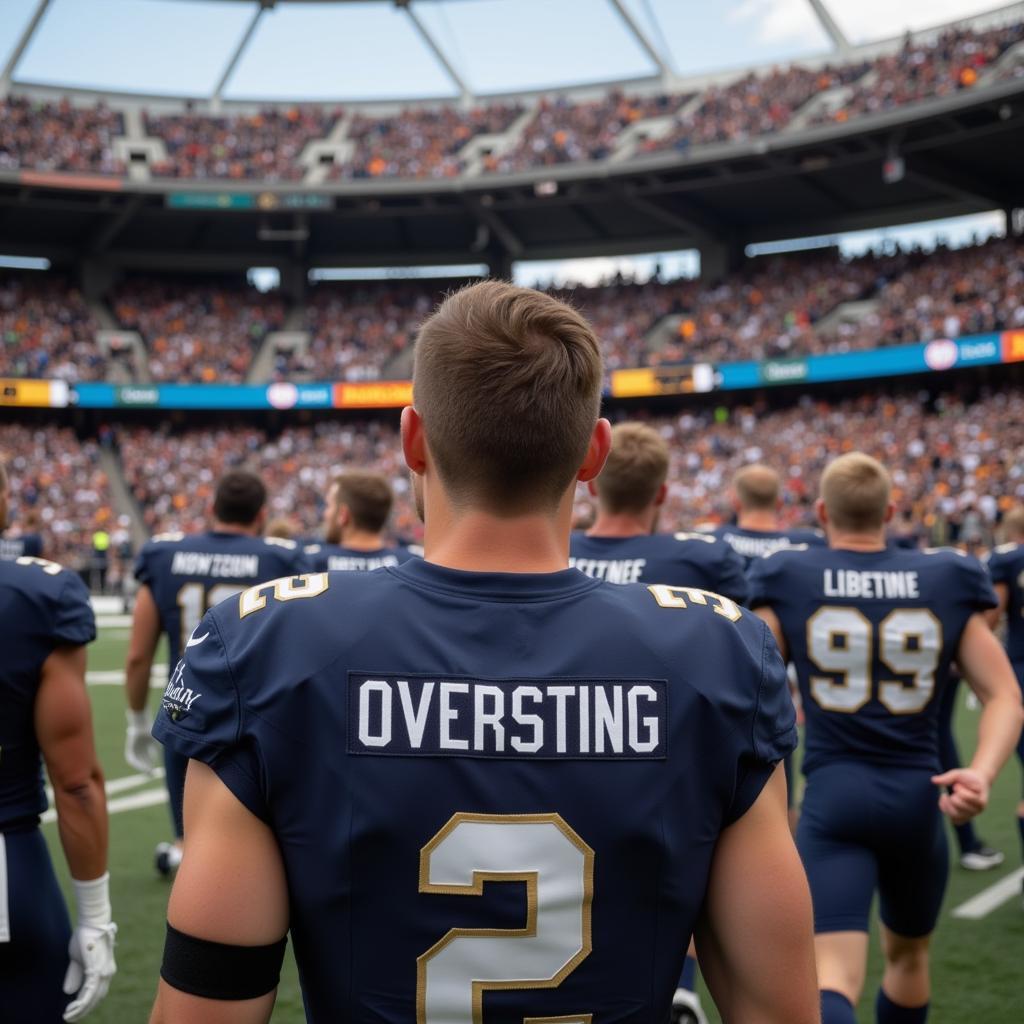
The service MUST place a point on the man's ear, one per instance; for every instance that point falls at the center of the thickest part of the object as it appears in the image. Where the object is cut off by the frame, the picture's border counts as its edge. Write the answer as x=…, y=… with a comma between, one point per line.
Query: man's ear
x=659, y=498
x=414, y=445
x=890, y=511
x=597, y=451
x=821, y=513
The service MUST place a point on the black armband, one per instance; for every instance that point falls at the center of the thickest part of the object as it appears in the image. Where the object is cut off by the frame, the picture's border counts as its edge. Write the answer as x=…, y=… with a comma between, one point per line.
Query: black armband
x=216, y=970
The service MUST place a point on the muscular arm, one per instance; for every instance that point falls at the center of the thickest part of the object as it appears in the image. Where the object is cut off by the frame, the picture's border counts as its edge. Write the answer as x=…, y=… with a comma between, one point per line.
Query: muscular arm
x=994, y=615
x=63, y=722
x=769, y=617
x=755, y=937
x=213, y=894
x=141, y=648
x=990, y=675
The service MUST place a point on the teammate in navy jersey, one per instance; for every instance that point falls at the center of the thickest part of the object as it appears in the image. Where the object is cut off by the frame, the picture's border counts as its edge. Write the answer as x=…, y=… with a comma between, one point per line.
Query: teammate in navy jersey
x=756, y=499
x=29, y=545
x=47, y=971
x=483, y=786
x=871, y=630
x=622, y=546
x=1006, y=568
x=357, y=510
x=181, y=576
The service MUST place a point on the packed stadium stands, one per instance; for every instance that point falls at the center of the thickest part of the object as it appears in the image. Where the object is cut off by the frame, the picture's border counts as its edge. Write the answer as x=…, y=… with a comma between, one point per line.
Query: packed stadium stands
x=955, y=464
x=200, y=333
x=425, y=142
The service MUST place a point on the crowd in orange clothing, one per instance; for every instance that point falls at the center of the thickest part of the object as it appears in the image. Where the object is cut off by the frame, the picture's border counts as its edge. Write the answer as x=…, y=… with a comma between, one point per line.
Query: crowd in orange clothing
x=58, y=136
x=194, y=332
x=264, y=146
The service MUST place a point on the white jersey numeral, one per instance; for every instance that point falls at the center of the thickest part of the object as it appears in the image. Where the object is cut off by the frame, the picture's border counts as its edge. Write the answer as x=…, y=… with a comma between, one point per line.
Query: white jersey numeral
x=840, y=641
x=558, y=869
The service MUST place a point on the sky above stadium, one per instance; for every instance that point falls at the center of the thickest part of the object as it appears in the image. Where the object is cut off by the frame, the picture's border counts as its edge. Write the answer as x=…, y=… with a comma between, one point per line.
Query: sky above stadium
x=366, y=51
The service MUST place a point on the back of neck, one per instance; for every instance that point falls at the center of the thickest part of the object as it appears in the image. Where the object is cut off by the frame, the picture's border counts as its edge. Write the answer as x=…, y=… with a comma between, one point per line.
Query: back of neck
x=758, y=519
x=617, y=526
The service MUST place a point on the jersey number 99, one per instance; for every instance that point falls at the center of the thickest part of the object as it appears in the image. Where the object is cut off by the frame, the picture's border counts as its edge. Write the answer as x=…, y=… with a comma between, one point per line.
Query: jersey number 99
x=841, y=641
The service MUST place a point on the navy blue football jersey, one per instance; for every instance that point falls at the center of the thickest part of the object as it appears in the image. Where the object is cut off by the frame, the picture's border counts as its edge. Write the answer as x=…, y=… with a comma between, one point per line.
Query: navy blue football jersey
x=871, y=635
x=190, y=573
x=42, y=607
x=680, y=560
x=324, y=557
x=445, y=755
x=29, y=545
x=1006, y=565
x=750, y=544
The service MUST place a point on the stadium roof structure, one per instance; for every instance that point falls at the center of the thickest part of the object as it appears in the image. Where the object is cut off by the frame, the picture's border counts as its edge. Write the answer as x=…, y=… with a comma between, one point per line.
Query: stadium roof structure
x=408, y=50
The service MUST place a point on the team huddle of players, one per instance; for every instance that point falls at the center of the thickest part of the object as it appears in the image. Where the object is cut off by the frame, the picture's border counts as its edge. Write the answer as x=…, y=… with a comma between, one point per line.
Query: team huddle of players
x=491, y=724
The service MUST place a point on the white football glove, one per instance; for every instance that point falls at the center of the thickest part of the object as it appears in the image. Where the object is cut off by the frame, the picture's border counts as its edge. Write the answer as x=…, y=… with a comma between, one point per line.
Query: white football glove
x=141, y=751
x=91, y=949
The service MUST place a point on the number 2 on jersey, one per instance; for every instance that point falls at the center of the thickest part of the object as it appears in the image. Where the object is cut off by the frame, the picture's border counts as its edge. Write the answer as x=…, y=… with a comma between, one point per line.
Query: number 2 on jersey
x=558, y=869
x=194, y=601
x=841, y=640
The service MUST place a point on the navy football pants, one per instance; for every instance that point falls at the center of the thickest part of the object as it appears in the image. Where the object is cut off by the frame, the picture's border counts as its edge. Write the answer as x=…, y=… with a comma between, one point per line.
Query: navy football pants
x=34, y=958
x=864, y=828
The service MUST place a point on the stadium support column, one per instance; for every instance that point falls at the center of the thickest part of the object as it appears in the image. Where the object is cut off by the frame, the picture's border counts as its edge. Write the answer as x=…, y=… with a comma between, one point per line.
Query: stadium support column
x=719, y=257
x=7, y=71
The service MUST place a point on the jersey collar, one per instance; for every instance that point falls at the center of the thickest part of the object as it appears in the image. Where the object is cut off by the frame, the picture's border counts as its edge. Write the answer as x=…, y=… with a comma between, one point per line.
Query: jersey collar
x=499, y=586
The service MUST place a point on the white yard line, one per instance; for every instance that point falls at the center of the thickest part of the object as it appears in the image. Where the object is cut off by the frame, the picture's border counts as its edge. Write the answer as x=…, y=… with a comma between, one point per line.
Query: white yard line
x=147, y=798
x=114, y=621
x=115, y=676
x=989, y=899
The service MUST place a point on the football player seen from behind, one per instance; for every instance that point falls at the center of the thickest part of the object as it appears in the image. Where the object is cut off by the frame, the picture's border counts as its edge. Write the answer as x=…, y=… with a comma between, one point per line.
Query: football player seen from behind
x=622, y=545
x=49, y=972
x=356, y=513
x=872, y=630
x=415, y=761
x=1006, y=568
x=180, y=578
x=756, y=497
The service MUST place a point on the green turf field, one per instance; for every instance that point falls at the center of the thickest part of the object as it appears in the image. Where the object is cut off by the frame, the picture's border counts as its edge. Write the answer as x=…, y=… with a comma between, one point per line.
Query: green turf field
x=978, y=963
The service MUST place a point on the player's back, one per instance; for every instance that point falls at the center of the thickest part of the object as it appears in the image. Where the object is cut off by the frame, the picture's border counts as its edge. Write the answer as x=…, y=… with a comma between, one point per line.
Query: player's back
x=1006, y=566
x=679, y=559
x=871, y=634
x=750, y=544
x=190, y=573
x=494, y=794
x=42, y=606
x=324, y=557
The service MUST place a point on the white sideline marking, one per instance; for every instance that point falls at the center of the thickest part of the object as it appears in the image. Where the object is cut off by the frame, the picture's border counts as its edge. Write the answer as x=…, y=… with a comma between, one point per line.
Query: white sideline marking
x=989, y=899
x=115, y=676
x=148, y=798
x=114, y=621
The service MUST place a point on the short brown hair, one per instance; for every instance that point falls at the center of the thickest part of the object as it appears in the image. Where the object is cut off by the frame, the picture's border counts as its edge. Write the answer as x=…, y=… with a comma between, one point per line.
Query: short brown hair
x=239, y=498
x=637, y=466
x=757, y=487
x=368, y=498
x=855, y=489
x=507, y=382
x=1013, y=522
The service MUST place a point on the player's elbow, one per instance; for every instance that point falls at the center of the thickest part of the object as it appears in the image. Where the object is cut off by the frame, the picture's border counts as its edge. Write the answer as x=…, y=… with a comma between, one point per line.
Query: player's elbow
x=79, y=786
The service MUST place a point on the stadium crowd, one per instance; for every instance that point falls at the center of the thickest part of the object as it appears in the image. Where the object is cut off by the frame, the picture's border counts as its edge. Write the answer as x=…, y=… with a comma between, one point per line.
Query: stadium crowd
x=264, y=146
x=59, y=490
x=422, y=142
x=47, y=330
x=59, y=136
x=957, y=466
x=199, y=333
x=772, y=307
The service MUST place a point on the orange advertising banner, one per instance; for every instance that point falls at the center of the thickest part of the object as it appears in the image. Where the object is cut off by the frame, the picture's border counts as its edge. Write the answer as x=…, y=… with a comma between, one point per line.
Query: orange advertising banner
x=383, y=394
x=1013, y=346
